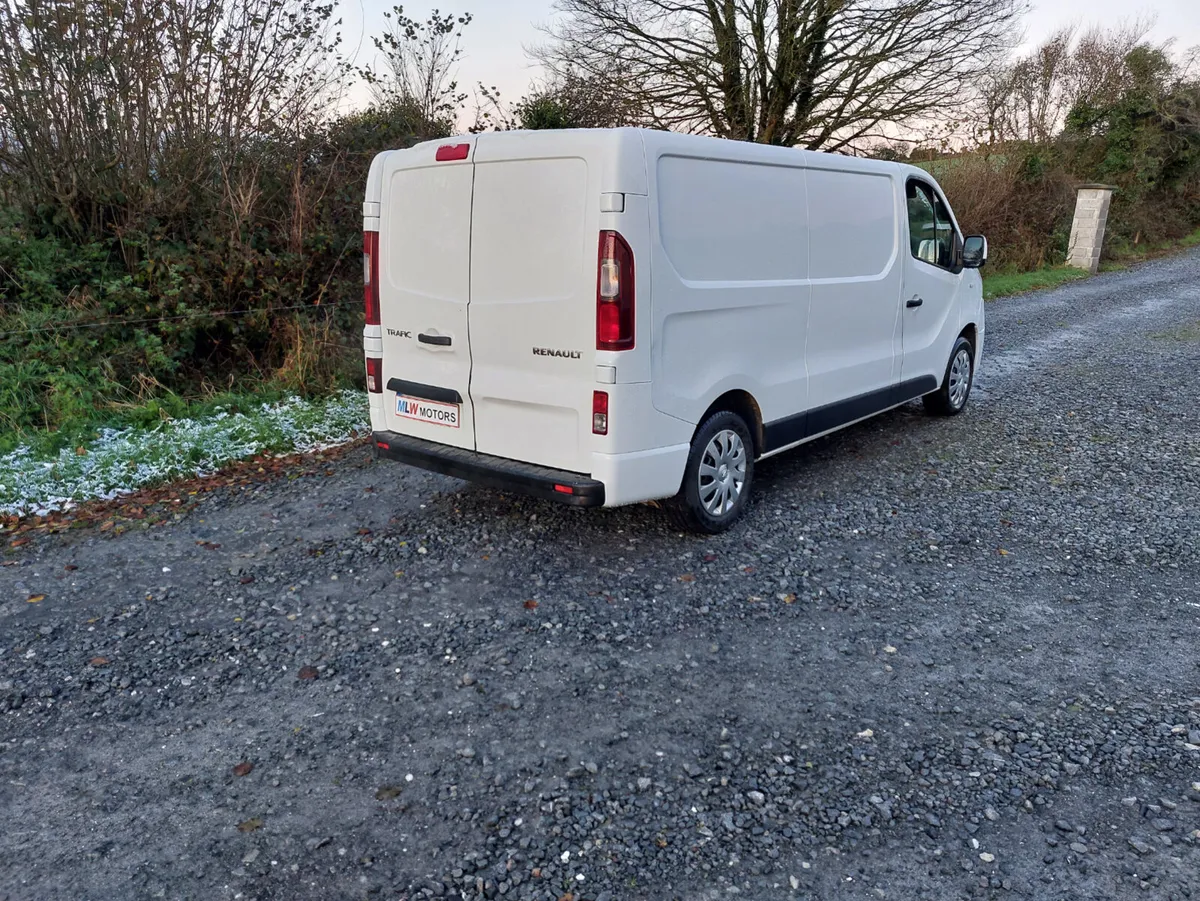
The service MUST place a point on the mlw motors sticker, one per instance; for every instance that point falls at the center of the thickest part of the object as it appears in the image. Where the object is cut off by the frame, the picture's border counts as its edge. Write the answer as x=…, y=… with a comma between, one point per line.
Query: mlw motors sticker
x=427, y=411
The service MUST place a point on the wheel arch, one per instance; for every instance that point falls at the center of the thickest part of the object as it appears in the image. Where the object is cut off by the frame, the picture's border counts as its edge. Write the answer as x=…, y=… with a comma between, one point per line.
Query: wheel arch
x=744, y=405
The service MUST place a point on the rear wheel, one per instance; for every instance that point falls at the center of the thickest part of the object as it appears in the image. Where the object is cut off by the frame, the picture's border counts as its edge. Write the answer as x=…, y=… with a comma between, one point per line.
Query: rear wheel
x=950, y=399
x=716, y=483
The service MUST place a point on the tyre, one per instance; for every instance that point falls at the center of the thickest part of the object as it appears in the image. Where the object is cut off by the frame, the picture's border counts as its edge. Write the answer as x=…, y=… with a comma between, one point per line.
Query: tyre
x=716, y=483
x=951, y=398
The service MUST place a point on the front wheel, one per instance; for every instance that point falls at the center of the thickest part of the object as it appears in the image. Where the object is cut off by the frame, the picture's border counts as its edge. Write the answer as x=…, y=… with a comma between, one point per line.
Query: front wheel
x=716, y=483
x=951, y=397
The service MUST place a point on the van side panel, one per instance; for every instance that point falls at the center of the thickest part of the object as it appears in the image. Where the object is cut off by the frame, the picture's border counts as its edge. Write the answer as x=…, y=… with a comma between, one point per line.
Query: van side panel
x=854, y=332
x=731, y=292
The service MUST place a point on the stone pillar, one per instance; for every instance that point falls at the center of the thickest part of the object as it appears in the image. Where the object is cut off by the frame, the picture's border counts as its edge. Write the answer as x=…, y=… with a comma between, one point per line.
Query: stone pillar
x=1087, y=230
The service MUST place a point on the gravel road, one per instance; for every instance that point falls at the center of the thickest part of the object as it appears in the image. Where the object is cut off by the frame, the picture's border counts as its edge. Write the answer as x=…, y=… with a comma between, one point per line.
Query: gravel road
x=941, y=659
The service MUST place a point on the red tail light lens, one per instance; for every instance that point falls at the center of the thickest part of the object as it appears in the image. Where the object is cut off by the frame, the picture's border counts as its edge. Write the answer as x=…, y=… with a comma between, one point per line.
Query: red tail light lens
x=600, y=412
x=375, y=375
x=450, y=152
x=614, y=294
x=371, y=276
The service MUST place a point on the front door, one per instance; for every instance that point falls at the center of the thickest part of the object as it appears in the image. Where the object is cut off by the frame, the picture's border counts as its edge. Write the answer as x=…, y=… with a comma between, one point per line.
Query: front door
x=931, y=284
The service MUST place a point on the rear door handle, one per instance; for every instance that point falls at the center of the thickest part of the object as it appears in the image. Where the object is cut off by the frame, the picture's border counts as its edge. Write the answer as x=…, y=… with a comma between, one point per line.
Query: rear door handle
x=915, y=302
x=439, y=340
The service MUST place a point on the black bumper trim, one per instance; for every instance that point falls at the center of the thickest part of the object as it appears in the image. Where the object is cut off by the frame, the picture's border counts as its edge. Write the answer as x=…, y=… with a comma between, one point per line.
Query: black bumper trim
x=495, y=472
x=426, y=392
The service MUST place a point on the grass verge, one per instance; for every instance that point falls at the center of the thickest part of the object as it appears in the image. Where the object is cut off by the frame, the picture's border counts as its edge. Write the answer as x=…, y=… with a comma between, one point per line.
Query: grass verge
x=36, y=479
x=1006, y=282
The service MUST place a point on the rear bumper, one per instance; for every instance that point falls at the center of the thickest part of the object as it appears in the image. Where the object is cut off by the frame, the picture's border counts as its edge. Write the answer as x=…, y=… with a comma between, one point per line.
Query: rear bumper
x=496, y=472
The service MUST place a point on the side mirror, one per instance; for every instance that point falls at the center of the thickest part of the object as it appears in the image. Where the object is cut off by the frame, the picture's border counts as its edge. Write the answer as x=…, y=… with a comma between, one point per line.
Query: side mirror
x=974, y=251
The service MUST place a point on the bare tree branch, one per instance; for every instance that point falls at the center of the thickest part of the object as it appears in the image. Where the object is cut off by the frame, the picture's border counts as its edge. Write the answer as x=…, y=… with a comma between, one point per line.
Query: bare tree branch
x=820, y=73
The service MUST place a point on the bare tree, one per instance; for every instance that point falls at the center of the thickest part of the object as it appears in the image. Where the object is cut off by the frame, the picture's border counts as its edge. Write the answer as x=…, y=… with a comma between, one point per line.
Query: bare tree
x=112, y=111
x=419, y=61
x=819, y=73
x=1030, y=99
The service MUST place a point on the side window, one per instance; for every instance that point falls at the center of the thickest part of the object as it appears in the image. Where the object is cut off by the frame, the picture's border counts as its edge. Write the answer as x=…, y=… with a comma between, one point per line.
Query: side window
x=930, y=229
x=945, y=233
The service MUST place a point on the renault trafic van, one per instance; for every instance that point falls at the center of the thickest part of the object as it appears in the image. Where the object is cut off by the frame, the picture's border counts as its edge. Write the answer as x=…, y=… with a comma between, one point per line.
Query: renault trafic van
x=603, y=317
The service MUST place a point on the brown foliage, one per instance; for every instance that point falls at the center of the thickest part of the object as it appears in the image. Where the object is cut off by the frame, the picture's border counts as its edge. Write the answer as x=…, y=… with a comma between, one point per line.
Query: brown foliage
x=1022, y=211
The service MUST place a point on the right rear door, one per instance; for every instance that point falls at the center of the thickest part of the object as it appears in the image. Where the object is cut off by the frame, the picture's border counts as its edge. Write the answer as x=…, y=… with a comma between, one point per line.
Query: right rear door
x=535, y=232
x=424, y=290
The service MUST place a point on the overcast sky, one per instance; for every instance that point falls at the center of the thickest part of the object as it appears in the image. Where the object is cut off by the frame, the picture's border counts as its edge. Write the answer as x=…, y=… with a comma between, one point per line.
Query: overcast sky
x=494, y=42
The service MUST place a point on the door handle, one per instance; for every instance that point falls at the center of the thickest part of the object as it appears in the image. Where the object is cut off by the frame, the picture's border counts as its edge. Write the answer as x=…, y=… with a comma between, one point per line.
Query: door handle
x=439, y=340
x=915, y=302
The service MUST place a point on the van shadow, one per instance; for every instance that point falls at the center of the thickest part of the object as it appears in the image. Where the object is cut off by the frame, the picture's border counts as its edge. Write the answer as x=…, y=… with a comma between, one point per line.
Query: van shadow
x=827, y=468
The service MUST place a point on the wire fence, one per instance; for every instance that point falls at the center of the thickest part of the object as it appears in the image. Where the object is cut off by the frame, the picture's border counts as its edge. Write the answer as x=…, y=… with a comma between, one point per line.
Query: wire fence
x=197, y=314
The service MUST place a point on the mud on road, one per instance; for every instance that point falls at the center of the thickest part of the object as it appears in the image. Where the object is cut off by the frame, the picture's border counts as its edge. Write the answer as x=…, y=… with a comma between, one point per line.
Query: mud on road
x=940, y=659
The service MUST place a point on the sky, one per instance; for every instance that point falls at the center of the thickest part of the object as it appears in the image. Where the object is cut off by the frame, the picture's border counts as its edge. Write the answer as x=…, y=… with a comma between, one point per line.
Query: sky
x=494, y=42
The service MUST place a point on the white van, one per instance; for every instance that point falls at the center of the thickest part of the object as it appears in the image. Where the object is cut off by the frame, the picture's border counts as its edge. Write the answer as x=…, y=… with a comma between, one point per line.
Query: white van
x=602, y=317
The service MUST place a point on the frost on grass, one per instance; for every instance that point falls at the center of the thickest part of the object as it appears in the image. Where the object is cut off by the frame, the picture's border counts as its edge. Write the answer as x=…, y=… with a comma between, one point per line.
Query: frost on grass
x=121, y=461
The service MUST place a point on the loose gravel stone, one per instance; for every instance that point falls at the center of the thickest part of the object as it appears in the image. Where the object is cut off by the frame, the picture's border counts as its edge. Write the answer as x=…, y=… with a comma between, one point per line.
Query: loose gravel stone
x=506, y=695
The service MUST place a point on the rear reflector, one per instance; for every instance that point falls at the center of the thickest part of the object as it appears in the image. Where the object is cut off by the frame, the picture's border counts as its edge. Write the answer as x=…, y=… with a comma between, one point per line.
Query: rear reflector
x=600, y=412
x=383, y=444
x=371, y=276
x=614, y=294
x=375, y=375
x=450, y=152
x=564, y=489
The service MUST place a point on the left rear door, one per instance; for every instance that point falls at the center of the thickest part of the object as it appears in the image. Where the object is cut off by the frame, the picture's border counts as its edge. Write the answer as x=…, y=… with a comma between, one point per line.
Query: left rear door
x=424, y=290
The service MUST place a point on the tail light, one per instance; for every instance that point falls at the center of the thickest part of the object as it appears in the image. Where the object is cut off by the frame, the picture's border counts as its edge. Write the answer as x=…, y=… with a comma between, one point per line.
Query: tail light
x=600, y=412
x=375, y=375
x=371, y=276
x=614, y=294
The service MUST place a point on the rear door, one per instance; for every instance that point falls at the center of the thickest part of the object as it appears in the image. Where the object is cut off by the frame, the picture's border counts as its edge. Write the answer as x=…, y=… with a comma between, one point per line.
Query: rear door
x=535, y=232
x=424, y=290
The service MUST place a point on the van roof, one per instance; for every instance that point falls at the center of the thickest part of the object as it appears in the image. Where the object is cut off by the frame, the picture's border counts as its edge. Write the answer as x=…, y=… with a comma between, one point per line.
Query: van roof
x=659, y=142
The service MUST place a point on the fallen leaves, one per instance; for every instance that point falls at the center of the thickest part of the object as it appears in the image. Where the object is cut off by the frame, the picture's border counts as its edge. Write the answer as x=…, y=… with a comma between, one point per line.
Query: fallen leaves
x=307, y=673
x=208, y=545
x=243, y=769
x=530, y=605
x=245, y=580
x=250, y=825
x=687, y=577
x=788, y=598
x=388, y=792
x=98, y=662
x=1002, y=552
x=35, y=598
